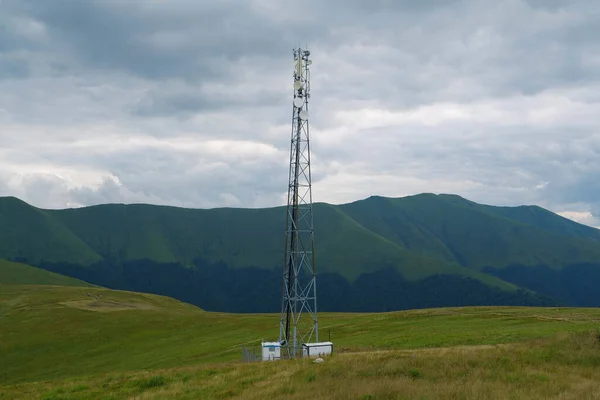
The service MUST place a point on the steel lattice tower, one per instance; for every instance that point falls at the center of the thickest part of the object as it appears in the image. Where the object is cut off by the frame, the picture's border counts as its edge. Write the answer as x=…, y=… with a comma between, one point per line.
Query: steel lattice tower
x=299, y=323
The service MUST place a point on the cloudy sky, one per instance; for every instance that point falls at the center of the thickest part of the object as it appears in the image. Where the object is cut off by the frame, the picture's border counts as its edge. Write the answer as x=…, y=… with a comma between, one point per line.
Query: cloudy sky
x=188, y=102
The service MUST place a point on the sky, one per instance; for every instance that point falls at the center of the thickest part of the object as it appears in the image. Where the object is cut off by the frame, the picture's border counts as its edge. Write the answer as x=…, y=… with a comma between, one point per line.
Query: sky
x=189, y=102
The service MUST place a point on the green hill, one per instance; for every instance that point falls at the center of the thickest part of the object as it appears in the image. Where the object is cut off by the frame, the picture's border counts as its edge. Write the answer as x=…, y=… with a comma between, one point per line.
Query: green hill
x=21, y=274
x=376, y=254
x=93, y=343
x=476, y=236
x=238, y=237
x=36, y=235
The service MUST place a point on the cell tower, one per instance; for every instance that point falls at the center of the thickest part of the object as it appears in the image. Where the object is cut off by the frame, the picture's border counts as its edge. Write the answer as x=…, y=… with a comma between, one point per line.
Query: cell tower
x=299, y=323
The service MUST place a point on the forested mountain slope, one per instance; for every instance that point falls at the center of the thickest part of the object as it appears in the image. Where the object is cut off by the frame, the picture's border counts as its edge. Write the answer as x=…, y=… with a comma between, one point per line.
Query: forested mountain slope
x=374, y=254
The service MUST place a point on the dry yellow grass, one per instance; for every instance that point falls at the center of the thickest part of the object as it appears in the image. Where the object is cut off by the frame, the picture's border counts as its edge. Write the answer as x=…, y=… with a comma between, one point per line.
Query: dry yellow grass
x=566, y=366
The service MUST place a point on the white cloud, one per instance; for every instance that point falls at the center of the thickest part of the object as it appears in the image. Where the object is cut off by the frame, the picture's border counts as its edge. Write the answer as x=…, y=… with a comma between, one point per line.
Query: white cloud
x=189, y=102
x=583, y=217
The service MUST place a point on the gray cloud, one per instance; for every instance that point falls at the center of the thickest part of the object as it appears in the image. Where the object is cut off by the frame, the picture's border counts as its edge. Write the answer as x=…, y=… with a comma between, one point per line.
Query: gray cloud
x=188, y=102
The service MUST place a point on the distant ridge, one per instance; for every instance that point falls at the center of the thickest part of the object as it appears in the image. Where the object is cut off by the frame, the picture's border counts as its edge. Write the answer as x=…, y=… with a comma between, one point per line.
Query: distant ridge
x=379, y=247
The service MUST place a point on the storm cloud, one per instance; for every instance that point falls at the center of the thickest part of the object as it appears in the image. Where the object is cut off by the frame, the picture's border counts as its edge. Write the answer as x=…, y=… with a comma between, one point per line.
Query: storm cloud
x=188, y=103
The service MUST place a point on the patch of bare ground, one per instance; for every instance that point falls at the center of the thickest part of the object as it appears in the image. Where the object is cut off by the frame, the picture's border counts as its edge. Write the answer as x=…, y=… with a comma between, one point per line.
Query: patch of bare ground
x=95, y=302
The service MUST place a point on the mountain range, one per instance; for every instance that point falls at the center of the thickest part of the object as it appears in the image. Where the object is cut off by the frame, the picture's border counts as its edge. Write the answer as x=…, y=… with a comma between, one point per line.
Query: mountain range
x=376, y=254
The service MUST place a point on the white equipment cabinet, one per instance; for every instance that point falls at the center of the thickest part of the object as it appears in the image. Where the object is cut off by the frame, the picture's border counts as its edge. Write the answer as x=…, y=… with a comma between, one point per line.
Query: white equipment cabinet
x=317, y=349
x=271, y=351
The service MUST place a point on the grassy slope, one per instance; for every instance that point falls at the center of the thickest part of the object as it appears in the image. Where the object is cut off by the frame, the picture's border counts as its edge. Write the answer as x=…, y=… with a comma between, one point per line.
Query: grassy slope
x=476, y=236
x=419, y=235
x=26, y=231
x=562, y=367
x=544, y=219
x=366, y=251
x=51, y=332
x=245, y=237
x=237, y=236
x=21, y=274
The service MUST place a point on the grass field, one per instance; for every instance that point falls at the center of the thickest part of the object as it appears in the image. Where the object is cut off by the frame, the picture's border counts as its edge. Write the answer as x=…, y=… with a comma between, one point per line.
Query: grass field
x=564, y=367
x=91, y=343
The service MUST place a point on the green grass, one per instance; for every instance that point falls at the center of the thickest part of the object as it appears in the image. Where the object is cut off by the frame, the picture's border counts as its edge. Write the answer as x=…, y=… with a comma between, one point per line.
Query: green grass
x=52, y=332
x=12, y=273
x=92, y=343
x=556, y=368
x=564, y=366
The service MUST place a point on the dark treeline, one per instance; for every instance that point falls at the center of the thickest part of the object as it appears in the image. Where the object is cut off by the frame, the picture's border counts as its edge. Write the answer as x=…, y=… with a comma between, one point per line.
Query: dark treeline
x=215, y=287
x=575, y=285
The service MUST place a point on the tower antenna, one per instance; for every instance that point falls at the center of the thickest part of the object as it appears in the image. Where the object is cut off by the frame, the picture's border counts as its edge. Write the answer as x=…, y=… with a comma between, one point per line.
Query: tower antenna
x=299, y=324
